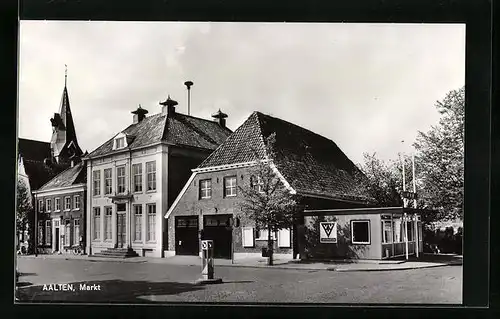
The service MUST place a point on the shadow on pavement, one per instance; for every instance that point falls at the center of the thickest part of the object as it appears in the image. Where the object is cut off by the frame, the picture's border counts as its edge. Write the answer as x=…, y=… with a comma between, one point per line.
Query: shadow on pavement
x=237, y=282
x=23, y=283
x=111, y=291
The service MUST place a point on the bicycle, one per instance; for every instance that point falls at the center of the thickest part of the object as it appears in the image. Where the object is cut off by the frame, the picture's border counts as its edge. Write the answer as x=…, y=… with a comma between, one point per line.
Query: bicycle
x=77, y=250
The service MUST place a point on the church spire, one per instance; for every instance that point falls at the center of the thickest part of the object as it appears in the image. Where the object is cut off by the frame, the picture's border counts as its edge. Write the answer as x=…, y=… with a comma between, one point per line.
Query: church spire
x=64, y=142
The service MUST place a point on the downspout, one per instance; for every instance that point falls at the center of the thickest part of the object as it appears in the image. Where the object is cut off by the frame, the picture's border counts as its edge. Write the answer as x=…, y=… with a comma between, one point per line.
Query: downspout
x=131, y=198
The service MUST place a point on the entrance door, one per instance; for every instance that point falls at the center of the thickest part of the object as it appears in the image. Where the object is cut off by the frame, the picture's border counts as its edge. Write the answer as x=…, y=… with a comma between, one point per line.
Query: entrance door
x=121, y=230
x=186, y=235
x=57, y=239
x=218, y=229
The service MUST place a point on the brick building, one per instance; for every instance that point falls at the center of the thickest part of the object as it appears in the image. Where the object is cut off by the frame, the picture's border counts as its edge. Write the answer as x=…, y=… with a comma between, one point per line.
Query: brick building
x=307, y=164
x=39, y=162
x=61, y=211
x=135, y=176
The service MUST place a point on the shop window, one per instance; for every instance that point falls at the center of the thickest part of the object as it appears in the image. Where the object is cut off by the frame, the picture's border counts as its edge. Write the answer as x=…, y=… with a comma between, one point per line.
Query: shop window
x=360, y=232
x=387, y=231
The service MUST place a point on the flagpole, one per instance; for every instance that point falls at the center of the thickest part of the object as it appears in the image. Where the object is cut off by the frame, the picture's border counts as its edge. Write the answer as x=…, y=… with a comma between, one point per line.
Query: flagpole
x=404, y=205
x=415, y=205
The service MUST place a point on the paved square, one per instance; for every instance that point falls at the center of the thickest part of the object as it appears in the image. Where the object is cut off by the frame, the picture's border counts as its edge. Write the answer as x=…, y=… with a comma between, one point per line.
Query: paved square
x=159, y=282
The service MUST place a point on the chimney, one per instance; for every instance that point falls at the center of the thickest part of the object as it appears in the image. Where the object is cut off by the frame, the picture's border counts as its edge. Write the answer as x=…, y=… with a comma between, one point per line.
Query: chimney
x=139, y=114
x=220, y=118
x=168, y=107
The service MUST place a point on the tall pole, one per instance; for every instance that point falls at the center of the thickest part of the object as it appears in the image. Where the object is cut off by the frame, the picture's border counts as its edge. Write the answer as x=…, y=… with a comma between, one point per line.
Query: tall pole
x=188, y=84
x=415, y=205
x=404, y=178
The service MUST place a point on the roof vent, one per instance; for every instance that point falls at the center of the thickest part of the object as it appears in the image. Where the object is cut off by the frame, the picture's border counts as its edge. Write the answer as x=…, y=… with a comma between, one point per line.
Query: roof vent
x=220, y=118
x=168, y=107
x=139, y=114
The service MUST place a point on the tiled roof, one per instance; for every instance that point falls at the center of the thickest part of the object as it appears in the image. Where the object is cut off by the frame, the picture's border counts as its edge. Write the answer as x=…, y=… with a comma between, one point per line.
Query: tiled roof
x=180, y=129
x=71, y=176
x=311, y=164
x=33, y=154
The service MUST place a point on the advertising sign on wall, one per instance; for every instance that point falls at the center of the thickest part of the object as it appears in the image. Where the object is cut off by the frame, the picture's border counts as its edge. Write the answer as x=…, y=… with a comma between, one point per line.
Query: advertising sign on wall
x=328, y=232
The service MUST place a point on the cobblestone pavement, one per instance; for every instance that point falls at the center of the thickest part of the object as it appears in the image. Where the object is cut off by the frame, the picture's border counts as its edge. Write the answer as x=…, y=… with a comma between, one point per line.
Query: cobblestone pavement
x=156, y=282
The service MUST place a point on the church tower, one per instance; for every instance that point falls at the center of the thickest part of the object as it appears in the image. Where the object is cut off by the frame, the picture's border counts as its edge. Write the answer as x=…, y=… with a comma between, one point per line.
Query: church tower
x=64, y=145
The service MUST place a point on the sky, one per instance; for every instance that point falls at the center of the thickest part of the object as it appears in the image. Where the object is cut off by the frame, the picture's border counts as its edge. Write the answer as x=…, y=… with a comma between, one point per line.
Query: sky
x=367, y=87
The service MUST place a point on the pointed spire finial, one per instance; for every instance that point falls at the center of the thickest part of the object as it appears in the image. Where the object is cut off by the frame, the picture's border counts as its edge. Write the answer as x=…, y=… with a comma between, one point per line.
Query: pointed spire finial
x=65, y=74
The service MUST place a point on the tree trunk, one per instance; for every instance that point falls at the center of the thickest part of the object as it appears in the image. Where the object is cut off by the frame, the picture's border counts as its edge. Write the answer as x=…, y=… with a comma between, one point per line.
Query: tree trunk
x=270, y=245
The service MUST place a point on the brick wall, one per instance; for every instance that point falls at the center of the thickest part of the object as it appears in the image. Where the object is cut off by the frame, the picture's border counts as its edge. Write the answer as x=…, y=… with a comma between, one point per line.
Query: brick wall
x=218, y=204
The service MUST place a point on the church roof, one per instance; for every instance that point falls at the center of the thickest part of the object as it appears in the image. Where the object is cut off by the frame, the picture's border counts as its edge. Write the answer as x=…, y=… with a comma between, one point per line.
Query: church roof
x=310, y=163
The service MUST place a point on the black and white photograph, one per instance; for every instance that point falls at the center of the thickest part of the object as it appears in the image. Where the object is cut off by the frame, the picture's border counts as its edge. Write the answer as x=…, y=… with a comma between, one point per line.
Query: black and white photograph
x=240, y=162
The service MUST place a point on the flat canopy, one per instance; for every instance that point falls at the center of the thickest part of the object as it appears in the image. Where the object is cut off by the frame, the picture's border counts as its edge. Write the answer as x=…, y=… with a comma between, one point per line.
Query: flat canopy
x=363, y=211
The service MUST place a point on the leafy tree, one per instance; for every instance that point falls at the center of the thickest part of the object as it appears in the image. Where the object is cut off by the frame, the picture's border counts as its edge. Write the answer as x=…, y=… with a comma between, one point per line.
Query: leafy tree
x=23, y=207
x=440, y=154
x=266, y=201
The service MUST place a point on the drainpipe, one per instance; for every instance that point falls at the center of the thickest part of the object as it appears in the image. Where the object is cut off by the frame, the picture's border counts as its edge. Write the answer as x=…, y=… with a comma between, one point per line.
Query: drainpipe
x=131, y=198
x=89, y=206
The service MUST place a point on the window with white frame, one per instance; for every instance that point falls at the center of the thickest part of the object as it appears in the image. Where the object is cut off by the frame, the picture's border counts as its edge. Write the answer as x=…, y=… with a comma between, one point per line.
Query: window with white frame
x=108, y=222
x=77, y=202
x=398, y=230
x=96, y=177
x=151, y=175
x=57, y=204
x=230, y=186
x=67, y=233
x=360, y=231
x=205, y=188
x=48, y=204
x=257, y=184
x=120, y=179
x=137, y=171
x=97, y=223
x=48, y=232
x=120, y=142
x=387, y=231
x=108, y=181
x=138, y=222
x=151, y=222
x=40, y=233
x=40, y=205
x=77, y=232
x=67, y=203
x=263, y=233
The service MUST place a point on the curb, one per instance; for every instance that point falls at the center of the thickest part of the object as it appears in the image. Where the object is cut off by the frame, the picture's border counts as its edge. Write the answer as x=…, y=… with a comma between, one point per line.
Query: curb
x=389, y=269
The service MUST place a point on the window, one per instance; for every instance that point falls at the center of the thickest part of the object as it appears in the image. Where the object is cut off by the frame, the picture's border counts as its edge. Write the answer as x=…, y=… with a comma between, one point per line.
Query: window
x=97, y=223
x=138, y=222
x=151, y=175
x=411, y=230
x=284, y=238
x=205, y=188
x=57, y=204
x=67, y=233
x=40, y=233
x=398, y=230
x=67, y=203
x=137, y=171
x=257, y=184
x=387, y=231
x=40, y=206
x=247, y=234
x=360, y=231
x=120, y=179
x=108, y=182
x=107, y=223
x=151, y=222
x=48, y=204
x=48, y=232
x=77, y=202
x=262, y=235
x=120, y=142
x=230, y=186
x=77, y=232
x=96, y=175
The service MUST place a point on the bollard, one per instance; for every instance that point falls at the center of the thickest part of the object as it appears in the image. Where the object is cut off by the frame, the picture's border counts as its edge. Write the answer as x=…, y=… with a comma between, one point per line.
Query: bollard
x=207, y=263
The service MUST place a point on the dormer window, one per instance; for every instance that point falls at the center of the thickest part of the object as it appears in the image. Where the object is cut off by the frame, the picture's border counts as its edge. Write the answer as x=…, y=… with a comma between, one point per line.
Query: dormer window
x=120, y=142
